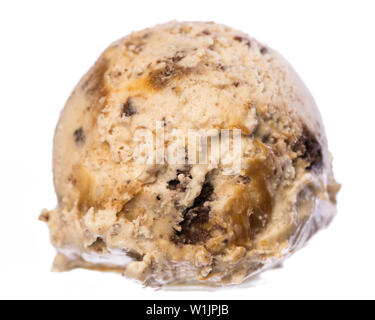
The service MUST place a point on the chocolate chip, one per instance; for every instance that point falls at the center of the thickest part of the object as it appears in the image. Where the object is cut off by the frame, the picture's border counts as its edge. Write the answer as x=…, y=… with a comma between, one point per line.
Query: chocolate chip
x=309, y=149
x=129, y=109
x=79, y=136
x=266, y=137
x=244, y=40
x=263, y=50
x=195, y=217
x=158, y=197
x=236, y=83
x=206, y=32
x=205, y=195
x=173, y=184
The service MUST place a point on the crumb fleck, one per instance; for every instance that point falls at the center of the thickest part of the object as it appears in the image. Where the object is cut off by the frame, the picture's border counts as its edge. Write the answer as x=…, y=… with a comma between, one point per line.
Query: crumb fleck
x=173, y=184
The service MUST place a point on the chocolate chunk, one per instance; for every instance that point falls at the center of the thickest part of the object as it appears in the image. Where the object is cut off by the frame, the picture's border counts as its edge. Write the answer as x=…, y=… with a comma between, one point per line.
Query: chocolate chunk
x=195, y=217
x=178, y=56
x=160, y=78
x=205, y=195
x=129, y=109
x=79, y=136
x=309, y=149
x=173, y=184
x=263, y=50
x=244, y=40
x=191, y=228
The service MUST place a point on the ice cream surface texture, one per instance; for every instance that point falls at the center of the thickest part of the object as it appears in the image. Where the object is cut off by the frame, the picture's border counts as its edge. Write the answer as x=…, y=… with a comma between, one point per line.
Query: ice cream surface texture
x=194, y=223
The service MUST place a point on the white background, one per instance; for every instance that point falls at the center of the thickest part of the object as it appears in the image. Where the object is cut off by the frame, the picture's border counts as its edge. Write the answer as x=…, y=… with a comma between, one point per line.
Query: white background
x=46, y=46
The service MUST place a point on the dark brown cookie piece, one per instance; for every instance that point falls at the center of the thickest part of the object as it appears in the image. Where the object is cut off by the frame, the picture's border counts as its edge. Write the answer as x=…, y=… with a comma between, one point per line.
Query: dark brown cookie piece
x=192, y=230
x=309, y=149
x=129, y=108
x=79, y=136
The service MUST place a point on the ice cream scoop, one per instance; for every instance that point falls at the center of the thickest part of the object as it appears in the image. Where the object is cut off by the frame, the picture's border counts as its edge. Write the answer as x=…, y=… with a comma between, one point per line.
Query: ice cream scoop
x=189, y=153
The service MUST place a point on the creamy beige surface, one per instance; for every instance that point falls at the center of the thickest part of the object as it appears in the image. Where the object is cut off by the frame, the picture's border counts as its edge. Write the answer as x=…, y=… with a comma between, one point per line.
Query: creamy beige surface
x=164, y=224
